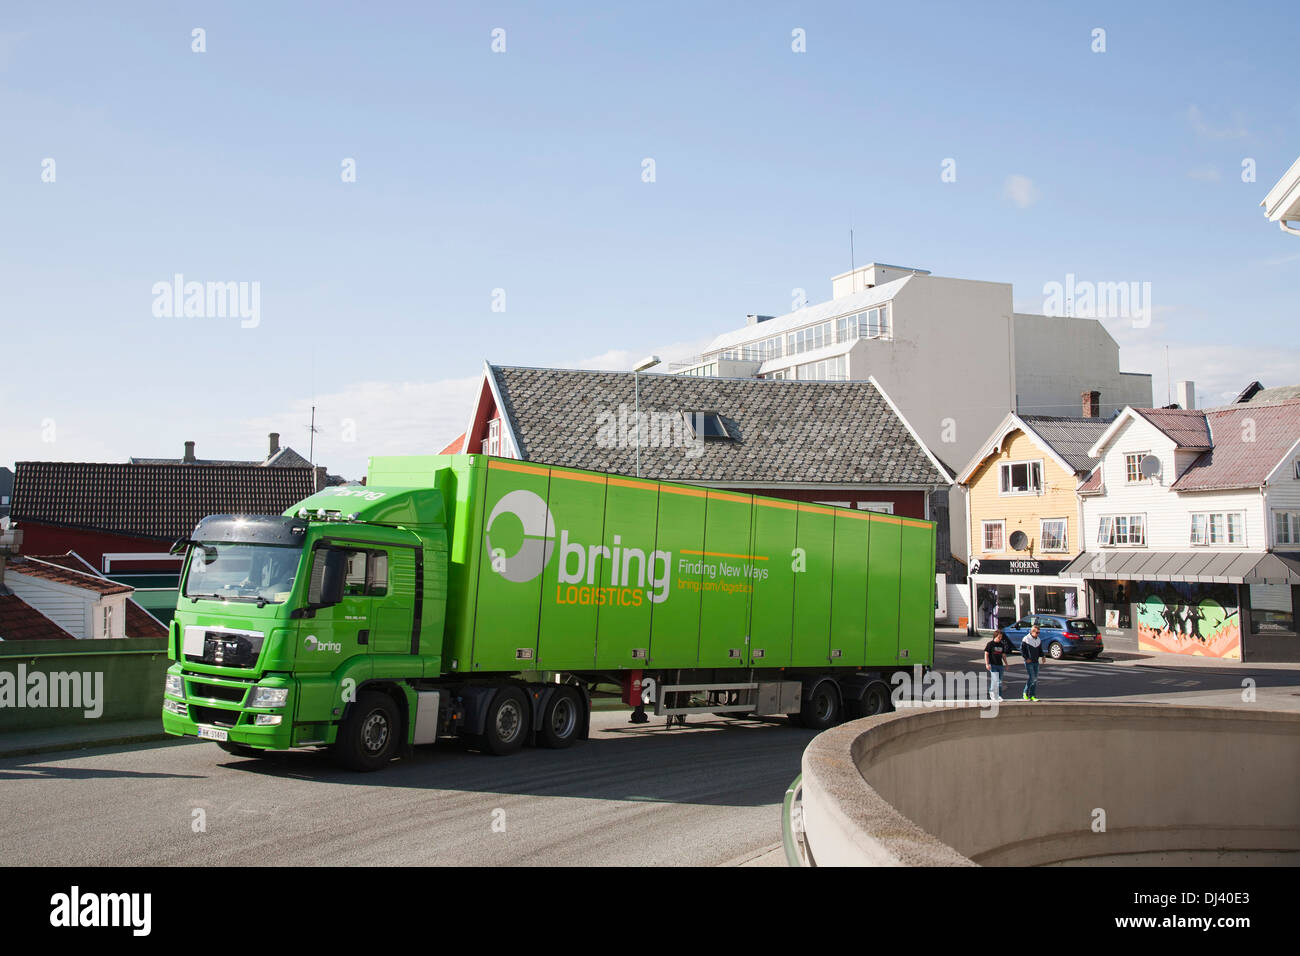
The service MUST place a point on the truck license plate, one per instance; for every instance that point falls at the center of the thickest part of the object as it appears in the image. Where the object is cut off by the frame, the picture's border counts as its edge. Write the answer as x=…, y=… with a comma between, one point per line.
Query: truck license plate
x=212, y=733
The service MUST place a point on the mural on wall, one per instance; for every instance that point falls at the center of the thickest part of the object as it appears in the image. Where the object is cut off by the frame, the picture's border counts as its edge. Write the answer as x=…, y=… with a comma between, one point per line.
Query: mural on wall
x=1183, y=618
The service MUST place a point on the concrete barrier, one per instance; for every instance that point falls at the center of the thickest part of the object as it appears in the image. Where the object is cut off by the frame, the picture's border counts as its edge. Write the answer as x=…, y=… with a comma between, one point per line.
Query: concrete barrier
x=47, y=684
x=1049, y=783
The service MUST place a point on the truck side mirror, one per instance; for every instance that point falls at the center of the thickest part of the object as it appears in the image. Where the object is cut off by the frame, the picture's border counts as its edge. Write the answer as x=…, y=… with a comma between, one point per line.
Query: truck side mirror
x=328, y=577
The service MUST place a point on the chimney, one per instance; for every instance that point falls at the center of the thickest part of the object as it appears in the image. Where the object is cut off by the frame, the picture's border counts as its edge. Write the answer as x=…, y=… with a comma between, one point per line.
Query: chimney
x=1186, y=395
x=275, y=444
x=1091, y=404
x=189, y=458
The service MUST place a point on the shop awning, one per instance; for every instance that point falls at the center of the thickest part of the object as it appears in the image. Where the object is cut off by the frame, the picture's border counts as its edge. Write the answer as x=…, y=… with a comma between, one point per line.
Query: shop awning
x=1211, y=567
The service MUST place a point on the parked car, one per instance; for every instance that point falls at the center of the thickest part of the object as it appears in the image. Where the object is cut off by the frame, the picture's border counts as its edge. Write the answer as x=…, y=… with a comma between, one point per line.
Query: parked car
x=1062, y=636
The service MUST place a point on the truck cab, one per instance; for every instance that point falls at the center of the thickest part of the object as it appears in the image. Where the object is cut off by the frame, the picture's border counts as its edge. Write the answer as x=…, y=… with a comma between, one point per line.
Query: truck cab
x=284, y=620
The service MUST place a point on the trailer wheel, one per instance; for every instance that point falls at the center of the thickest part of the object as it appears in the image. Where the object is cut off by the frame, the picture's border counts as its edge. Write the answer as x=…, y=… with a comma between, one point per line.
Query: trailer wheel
x=369, y=735
x=506, y=726
x=561, y=719
x=875, y=700
x=821, y=708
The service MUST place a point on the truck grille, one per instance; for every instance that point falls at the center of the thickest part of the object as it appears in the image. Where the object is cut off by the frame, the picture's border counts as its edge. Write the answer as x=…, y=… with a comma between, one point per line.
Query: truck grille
x=214, y=715
x=233, y=695
x=228, y=650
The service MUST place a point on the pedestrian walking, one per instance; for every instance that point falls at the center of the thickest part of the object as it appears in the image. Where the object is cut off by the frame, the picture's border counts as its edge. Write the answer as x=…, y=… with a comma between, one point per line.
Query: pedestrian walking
x=995, y=661
x=1031, y=649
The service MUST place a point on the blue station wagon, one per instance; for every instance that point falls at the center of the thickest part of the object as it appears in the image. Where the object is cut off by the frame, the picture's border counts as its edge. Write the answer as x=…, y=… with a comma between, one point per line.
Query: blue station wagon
x=1062, y=636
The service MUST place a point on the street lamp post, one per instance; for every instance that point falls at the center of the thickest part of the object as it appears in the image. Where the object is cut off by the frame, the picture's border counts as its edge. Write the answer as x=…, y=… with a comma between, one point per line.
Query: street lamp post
x=649, y=362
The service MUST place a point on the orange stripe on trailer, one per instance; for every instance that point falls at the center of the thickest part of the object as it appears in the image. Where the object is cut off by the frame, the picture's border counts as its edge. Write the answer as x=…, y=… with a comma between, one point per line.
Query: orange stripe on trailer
x=689, y=492
x=724, y=496
x=511, y=466
x=817, y=509
x=724, y=554
x=768, y=503
x=633, y=483
x=579, y=476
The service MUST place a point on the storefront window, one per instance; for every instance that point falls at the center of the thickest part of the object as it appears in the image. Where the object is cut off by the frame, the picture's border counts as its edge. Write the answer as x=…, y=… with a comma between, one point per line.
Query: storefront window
x=1112, y=605
x=995, y=606
x=1271, y=610
x=1052, y=599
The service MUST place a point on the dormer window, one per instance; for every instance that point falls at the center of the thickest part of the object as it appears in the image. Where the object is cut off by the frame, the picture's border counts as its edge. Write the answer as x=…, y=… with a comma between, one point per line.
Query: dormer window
x=707, y=425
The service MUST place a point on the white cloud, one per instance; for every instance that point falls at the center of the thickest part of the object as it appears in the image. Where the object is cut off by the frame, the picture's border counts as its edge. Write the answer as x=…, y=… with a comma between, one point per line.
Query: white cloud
x=1020, y=190
x=407, y=418
x=379, y=418
x=1219, y=371
x=1204, y=129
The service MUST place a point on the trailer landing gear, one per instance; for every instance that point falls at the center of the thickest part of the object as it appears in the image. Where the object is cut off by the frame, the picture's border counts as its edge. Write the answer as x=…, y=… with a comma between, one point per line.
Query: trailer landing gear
x=639, y=716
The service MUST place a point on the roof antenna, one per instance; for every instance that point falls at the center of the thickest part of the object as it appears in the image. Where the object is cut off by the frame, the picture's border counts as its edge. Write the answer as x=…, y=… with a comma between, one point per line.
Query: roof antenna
x=311, y=429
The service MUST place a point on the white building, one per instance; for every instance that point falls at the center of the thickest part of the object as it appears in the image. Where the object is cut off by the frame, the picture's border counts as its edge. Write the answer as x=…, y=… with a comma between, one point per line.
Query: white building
x=1192, y=528
x=953, y=354
x=1282, y=204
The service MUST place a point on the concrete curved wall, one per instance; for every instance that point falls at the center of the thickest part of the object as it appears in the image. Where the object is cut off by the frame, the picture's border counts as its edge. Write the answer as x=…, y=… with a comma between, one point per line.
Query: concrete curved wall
x=1176, y=785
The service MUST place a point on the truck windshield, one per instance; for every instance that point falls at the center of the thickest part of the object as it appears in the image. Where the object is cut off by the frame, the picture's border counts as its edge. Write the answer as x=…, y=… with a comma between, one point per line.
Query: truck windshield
x=230, y=571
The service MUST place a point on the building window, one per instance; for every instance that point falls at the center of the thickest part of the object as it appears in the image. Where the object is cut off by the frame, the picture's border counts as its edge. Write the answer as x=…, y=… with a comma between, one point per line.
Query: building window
x=1022, y=478
x=1133, y=466
x=831, y=369
x=881, y=507
x=1052, y=534
x=108, y=622
x=1271, y=609
x=706, y=425
x=805, y=340
x=1219, y=527
x=493, y=444
x=994, y=535
x=1122, y=530
x=1286, y=526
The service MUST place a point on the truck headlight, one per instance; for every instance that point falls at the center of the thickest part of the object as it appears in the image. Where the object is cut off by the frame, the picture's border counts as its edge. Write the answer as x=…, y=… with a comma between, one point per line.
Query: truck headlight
x=175, y=685
x=269, y=697
x=267, y=720
x=176, y=707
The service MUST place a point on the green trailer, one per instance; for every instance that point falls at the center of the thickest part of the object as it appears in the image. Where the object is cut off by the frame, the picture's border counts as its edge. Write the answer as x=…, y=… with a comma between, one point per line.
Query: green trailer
x=488, y=598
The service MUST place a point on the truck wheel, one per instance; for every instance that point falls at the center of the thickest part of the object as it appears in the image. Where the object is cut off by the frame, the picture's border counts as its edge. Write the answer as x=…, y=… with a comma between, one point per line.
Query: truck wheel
x=1056, y=651
x=561, y=719
x=821, y=709
x=506, y=725
x=369, y=735
x=876, y=700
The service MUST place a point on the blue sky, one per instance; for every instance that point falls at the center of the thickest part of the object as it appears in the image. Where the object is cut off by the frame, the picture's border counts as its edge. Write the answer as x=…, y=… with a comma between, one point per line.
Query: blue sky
x=522, y=171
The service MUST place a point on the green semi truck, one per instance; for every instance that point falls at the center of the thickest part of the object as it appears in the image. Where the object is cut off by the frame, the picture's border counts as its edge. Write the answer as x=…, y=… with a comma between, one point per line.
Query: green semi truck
x=488, y=598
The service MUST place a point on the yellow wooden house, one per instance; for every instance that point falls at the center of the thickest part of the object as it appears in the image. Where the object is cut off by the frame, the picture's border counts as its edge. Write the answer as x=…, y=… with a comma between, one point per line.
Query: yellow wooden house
x=1025, y=518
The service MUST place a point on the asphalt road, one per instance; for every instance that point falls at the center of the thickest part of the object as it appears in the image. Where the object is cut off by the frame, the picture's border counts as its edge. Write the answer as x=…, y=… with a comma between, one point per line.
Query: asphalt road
x=706, y=794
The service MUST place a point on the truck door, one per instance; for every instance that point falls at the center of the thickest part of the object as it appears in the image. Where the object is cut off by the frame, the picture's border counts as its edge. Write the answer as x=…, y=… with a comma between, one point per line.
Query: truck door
x=390, y=584
x=330, y=635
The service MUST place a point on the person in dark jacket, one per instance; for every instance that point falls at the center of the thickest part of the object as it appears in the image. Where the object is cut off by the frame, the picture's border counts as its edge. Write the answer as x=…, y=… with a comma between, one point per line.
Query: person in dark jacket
x=1031, y=649
x=995, y=661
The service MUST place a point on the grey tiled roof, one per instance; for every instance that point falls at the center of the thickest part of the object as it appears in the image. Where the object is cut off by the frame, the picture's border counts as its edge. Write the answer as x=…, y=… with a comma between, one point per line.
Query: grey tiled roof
x=833, y=432
x=1069, y=437
x=1281, y=393
x=150, y=501
x=1249, y=442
